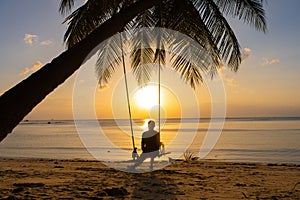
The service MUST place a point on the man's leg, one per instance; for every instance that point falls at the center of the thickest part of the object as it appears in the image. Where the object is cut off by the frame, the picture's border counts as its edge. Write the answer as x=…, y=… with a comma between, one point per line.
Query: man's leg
x=140, y=160
x=152, y=156
x=151, y=163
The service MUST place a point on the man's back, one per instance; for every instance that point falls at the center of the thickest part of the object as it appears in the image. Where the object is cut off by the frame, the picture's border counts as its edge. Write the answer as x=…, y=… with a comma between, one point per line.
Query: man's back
x=150, y=141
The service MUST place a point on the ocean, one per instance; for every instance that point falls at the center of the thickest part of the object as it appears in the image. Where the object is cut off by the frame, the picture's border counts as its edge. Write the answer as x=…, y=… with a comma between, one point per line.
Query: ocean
x=263, y=140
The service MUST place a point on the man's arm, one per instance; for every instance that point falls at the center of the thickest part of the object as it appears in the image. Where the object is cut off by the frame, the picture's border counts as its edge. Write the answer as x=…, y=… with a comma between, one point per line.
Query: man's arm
x=158, y=139
x=143, y=143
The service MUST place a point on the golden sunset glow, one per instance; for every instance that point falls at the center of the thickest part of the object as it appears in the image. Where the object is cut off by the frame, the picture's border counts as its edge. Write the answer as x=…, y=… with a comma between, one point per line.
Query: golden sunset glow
x=147, y=97
x=266, y=84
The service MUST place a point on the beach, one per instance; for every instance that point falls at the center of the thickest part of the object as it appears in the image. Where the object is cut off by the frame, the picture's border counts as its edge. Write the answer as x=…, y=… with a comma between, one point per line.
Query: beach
x=141, y=100
x=253, y=159
x=267, y=140
x=209, y=179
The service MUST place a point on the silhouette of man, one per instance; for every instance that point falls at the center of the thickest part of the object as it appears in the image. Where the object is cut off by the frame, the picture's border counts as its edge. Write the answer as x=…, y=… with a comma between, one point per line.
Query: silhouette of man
x=150, y=145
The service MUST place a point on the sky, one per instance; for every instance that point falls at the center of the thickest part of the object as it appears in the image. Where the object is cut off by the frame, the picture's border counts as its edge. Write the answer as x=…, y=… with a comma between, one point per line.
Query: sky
x=266, y=84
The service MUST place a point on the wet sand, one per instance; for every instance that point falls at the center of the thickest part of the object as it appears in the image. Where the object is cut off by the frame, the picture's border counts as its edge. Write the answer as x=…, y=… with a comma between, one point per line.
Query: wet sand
x=74, y=179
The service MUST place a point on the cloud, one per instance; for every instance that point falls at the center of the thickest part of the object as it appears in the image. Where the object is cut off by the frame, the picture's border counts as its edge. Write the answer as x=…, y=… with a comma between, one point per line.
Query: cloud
x=46, y=42
x=246, y=52
x=37, y=65
x=231, y=82
x=269, y=62
x=30, y=39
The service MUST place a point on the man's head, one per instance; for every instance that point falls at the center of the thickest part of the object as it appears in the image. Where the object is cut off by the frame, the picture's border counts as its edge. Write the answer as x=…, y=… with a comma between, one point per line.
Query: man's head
x=151, y=124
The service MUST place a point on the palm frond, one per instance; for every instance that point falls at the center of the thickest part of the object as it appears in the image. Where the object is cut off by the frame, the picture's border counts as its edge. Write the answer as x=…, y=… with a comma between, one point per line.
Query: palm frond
x=88, y=17
x=142, y=65
x=66, y=6
x=142, y=55
x=190, y=61
x=144, y=19
x=250, y=11
x=162, y=39
x=161, y=13
x=109, y=57
x=213, y=41
x=177, y=15
x=190, y=73
x=185, y=18
x=160, y=56
x=223, y=35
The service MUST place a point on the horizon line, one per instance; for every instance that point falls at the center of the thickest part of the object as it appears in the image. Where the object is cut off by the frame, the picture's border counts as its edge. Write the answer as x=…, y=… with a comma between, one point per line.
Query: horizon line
x=244, y=117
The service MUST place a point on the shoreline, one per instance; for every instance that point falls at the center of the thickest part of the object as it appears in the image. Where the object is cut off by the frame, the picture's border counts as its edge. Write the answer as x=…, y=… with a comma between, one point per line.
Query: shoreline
x=34, y=178
x=179, y=159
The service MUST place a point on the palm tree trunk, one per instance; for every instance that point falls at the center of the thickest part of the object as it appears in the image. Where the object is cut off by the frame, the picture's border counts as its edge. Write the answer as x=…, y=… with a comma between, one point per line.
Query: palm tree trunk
x=17, y=102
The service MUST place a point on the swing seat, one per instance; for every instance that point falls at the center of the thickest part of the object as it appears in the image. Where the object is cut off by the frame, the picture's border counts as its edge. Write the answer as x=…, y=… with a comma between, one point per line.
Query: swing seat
x=162, y=150
x=134, y=154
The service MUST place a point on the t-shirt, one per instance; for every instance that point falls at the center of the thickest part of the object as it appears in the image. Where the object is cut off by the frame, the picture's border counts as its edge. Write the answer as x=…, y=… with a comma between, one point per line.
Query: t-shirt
x=150, y=141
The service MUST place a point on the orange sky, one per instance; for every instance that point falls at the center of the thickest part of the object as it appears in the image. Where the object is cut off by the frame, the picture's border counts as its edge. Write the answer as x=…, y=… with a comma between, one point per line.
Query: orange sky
x=267, y=83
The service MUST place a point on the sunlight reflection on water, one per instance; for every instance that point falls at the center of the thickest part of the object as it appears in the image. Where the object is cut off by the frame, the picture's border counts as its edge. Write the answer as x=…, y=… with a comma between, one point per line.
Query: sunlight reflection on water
x=255, y=140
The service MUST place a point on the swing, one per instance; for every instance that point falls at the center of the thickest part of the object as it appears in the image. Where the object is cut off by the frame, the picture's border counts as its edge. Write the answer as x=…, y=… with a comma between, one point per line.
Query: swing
x=134, y=151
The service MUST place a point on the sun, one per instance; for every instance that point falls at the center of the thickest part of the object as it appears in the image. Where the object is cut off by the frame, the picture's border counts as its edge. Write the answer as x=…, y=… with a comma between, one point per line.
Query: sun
x=147, y=97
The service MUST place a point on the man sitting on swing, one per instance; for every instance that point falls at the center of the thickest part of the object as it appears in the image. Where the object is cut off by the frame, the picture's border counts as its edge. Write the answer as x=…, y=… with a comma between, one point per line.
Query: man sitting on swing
x=150, y=145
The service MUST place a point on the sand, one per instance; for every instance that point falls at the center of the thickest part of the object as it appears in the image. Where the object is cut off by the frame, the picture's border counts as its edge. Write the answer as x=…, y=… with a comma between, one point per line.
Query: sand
x=74, y=179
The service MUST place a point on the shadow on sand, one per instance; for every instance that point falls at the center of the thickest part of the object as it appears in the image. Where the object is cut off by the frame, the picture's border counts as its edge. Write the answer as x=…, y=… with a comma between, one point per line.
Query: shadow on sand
x=152, y=186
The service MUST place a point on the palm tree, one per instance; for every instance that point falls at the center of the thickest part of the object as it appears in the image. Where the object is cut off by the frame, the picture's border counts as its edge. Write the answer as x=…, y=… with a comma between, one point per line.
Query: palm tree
x=201, y=20
x=18, y=101
x=96, y=21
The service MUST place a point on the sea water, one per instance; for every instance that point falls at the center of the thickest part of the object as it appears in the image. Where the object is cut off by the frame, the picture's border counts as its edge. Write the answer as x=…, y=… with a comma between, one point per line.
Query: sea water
x=268, y=140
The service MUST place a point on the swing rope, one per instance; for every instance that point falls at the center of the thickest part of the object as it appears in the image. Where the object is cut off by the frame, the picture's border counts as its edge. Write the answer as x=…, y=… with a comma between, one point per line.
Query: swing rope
x=159, y=94
x=162, y=146
x=160, y=13
x=134, y=152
